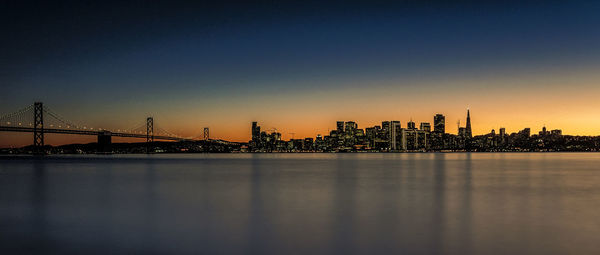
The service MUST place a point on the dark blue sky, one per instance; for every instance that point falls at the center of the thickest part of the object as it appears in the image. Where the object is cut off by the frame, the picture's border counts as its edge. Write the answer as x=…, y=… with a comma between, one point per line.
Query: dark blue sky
x=148, y=55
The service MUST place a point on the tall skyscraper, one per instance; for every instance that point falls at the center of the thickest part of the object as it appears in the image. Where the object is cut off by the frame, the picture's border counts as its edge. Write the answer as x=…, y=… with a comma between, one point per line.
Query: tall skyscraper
x=340, y=127
x=385, y=125
x=351, y=126
x=385, y=131
x=395, y=129
x=411, y=125
x=255, y=131
x=468, y=131
x=439, y=123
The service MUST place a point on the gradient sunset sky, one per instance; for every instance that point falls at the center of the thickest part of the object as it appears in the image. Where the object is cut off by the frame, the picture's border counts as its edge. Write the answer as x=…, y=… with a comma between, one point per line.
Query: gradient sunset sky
x=301, y=66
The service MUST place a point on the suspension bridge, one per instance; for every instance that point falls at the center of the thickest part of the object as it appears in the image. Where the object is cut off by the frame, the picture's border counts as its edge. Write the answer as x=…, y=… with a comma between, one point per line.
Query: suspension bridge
x=40, y=120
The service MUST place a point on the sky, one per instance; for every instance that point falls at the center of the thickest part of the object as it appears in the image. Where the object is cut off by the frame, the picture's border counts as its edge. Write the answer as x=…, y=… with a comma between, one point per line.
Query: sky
x=299, y=67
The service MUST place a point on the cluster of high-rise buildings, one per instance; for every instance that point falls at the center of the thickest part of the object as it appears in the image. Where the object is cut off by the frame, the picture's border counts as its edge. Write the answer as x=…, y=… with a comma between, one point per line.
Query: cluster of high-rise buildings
x=392, y=136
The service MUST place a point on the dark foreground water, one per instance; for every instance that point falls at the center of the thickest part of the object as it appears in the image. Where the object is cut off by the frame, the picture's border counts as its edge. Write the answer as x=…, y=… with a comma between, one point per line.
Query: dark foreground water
x=510, y=203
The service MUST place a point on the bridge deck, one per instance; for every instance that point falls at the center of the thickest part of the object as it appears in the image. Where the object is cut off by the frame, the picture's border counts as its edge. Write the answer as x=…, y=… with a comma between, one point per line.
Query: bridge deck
x=88, y=132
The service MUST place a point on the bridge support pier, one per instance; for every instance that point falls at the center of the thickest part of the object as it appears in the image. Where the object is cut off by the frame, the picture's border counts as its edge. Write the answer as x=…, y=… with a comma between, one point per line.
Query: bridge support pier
x=104, y=143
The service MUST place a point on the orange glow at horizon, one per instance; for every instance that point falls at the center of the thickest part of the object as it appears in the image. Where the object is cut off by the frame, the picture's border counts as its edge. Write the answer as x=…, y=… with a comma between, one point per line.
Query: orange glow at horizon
x=566, y=101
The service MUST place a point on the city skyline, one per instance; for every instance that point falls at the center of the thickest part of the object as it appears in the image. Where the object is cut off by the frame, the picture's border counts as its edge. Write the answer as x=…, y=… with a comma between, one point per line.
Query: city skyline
x=392, y=136
x=348, y=136
x=10, y=139
x=437, y=125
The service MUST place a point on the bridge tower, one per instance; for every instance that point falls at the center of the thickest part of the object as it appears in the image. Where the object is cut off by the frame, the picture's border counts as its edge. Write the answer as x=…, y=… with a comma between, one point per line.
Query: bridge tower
x=206, y=134
x=38, y=128
x=149, y=133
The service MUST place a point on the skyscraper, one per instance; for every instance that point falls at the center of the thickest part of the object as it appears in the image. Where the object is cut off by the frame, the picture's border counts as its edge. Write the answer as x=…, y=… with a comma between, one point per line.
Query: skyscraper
x=340, y=127
x=351, y=126
x=544, y=131
x=395, y=129
x=385, y=132
x=255, y=131
x=385, y=126
x=425, y=126
x=468, y=131
x=439, y=123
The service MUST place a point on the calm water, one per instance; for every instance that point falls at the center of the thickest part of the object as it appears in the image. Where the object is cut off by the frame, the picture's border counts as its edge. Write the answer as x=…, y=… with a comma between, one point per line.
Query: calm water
x=460, y=203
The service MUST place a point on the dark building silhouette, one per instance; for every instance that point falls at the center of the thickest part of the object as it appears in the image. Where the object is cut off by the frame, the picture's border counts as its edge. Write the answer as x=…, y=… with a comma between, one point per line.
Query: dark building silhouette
x=340, y=127
x=386, y=130
x=395, y=133
x=439, y=123
x=468, y=131
x=255, y=132
x=350, y=127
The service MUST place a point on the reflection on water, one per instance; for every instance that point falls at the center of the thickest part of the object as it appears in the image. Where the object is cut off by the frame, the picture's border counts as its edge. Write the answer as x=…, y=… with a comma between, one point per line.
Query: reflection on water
x=459, y=203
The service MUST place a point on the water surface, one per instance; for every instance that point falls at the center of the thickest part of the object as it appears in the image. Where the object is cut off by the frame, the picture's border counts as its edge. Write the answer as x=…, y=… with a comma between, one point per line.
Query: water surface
x=424, y=203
